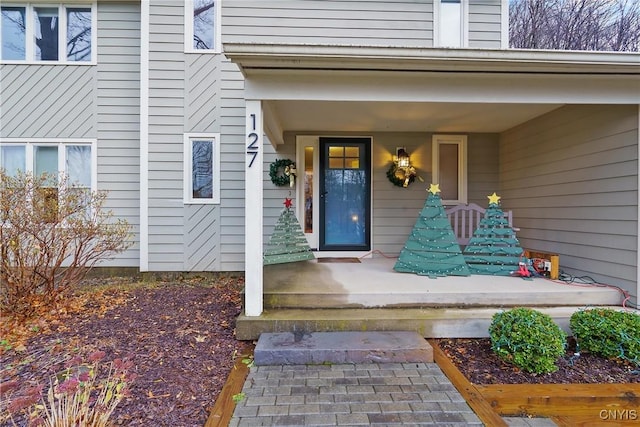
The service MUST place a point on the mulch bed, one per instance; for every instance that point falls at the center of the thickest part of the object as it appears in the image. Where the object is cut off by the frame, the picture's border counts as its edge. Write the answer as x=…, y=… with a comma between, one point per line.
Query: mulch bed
x=477, y=362
x=180, y=336
x=178, y=333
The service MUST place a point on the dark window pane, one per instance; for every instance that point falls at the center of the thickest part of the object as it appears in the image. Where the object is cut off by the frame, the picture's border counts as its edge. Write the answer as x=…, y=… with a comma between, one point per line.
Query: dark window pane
x=202, y=169
x=308, y=189
x=450, y=24
x=79, y=34
x=449, y=172
x=46, y=33
x=45, y=203
x=13, y=159
x=46, y=160
x=203, y=24
x=78, y=166
x=13, y=33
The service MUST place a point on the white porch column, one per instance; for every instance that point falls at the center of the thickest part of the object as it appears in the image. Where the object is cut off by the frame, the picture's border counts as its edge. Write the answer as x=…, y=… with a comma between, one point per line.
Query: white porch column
x=253, y=205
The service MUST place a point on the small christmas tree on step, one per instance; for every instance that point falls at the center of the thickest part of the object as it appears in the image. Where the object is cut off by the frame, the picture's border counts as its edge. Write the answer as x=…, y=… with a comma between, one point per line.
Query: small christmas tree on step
x=494, y=248
x=432, y=248
x=287, y=243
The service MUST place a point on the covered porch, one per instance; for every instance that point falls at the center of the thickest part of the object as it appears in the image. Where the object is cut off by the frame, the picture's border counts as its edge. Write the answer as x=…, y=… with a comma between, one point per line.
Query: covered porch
x=367, y=294
x=554, y=133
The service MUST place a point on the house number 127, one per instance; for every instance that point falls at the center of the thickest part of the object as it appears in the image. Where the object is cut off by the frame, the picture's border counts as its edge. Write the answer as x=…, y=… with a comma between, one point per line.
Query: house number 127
x=252, y=137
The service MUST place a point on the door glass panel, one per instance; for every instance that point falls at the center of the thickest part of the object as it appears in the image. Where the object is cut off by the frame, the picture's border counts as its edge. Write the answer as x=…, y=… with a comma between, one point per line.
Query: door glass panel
x=352, y=152
x=308, y=189
x=448, y=171
x=346, y=198
x=336, y=163
x=336, y=151
x=352, y=157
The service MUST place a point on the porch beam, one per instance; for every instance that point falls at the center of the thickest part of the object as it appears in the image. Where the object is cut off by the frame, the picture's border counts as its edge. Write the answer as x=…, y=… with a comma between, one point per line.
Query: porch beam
x=272, y=127
x=514, y=88
x=253, y=203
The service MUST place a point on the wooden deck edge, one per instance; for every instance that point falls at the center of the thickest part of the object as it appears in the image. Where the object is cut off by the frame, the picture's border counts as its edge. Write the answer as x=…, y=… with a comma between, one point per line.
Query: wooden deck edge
x=222, y=410
x=474, y=398
x=594, y=401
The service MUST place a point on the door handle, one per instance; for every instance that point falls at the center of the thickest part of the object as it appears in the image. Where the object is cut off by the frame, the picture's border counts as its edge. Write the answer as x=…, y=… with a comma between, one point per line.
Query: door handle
x=324, y=194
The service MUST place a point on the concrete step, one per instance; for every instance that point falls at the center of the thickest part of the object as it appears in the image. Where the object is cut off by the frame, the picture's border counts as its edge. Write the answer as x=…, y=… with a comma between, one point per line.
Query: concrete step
x=303, y=348
x=469, y=322
x=535, y=294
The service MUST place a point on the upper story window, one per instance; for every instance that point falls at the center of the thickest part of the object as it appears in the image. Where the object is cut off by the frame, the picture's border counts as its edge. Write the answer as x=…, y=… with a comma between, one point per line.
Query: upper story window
x=38, y=33
x=450, y=23
x=202, y=26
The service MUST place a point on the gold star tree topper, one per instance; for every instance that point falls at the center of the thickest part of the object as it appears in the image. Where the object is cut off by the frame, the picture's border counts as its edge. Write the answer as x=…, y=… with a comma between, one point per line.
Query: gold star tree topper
x=434, y=188
x=494, y=198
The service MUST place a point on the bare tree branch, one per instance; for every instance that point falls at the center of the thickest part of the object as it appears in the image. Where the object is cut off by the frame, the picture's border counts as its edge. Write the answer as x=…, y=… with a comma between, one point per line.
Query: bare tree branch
x=611, y=25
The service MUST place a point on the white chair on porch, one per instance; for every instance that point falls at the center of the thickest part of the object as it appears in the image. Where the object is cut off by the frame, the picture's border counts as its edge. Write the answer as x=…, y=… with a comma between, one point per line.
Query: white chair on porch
x=465, y=219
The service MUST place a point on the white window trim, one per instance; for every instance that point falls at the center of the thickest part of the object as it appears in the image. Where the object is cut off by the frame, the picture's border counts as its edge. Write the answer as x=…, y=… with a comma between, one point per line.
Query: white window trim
x=187, y=177
x=504, y=26
x=61, y=143
x=62, y=33
x=188, y=29
x=464, y=37
x=461, y=142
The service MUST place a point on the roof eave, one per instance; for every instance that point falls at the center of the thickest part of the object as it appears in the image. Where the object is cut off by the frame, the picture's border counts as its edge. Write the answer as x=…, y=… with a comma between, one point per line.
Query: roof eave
x=252, y=57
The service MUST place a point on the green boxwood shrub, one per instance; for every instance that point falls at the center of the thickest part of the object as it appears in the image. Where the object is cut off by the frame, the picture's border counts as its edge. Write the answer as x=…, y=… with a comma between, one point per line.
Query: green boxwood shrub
x=528, y=339
x=608, y=332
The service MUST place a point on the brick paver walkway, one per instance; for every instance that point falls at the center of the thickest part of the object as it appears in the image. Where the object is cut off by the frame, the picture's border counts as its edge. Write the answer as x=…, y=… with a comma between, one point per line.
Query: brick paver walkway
x=351, y=394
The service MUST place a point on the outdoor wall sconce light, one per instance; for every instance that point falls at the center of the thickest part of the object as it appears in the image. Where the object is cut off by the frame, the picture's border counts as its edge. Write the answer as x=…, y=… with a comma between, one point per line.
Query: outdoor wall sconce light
x=401, y=173
x=403, y=158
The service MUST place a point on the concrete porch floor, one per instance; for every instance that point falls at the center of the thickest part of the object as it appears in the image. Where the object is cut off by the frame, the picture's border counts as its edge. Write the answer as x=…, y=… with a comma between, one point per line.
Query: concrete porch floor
x=369, y=295
x=373, y=283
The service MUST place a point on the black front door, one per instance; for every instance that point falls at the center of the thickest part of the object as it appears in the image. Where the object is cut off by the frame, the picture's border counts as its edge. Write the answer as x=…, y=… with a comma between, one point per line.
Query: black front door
x=345, y=194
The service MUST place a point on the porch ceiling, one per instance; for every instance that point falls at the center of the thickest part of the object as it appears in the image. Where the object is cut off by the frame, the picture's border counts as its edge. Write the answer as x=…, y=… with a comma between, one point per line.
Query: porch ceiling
x=336, y=88
x=360, y=116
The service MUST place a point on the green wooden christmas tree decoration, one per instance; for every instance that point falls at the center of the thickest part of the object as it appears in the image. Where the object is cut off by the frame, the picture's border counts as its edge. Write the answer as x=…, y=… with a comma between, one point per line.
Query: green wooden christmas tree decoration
x=287, y=243
x=493, y=249
x=432, y=248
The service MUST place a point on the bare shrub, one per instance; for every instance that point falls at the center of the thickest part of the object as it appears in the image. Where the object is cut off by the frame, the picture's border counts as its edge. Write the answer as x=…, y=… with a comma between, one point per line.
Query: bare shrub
x=51, y=234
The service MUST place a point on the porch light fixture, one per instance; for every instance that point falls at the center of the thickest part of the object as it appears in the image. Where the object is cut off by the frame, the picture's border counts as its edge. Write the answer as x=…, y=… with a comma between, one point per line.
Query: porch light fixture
x=403, y=159
x=401, y=173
